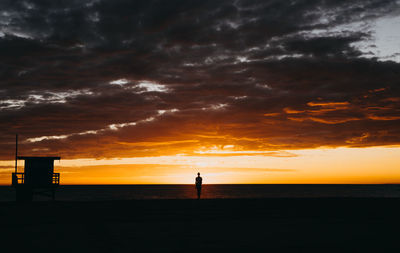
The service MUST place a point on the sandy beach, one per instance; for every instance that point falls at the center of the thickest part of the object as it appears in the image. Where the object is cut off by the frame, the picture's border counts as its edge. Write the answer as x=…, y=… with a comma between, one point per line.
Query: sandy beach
x=212, y=225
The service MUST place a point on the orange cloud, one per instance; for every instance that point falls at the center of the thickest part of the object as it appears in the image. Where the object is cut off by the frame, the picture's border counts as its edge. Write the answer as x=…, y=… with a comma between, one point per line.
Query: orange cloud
x=292, y=111
x=376, y=117
x=358, y=139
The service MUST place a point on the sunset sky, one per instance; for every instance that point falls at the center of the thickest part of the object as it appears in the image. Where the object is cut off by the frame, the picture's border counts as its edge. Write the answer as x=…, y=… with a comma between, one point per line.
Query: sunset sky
x=151, y=92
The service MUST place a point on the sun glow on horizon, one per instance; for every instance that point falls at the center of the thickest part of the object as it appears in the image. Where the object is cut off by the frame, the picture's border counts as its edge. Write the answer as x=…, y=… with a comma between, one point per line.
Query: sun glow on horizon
x=325, y=165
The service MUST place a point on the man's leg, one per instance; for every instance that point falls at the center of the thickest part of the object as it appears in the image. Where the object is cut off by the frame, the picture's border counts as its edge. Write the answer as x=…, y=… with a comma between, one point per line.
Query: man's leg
x=198, y=193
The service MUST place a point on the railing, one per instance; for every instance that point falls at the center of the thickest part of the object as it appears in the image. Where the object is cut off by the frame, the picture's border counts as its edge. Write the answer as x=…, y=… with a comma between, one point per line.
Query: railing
x=18, y=178
x=56, y=178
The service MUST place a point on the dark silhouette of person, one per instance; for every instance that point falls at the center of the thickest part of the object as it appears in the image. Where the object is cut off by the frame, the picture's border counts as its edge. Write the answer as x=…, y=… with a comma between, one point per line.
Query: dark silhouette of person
x=199, y=181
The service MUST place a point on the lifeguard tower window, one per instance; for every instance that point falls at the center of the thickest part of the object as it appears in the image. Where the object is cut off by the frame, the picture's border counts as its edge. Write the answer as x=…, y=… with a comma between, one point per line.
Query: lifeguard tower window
x=39, y=171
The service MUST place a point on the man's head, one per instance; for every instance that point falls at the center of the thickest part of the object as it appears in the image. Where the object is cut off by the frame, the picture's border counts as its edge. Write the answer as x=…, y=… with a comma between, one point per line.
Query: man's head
x=198, y=173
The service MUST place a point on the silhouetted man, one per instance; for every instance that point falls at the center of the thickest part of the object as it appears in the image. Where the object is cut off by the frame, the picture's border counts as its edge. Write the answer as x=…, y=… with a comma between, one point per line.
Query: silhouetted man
x=199, y=181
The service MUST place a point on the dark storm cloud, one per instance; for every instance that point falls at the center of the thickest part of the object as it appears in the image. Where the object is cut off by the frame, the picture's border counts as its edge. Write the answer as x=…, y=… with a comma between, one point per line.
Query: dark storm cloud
x=136, y=78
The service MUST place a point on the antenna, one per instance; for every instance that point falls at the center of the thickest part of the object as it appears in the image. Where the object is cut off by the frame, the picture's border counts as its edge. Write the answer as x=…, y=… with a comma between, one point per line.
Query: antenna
x=16, y=152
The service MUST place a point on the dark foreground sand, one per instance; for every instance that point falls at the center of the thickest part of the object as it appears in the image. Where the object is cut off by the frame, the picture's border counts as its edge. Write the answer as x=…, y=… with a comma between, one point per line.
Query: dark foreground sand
x=219, y=225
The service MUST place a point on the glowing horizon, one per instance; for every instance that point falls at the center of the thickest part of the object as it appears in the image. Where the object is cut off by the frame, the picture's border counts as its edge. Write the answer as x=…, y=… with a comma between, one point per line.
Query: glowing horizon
x=307, y=166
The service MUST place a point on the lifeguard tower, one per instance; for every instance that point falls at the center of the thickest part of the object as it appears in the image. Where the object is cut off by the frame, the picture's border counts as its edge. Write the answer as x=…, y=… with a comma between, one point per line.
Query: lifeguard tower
x=38, y=177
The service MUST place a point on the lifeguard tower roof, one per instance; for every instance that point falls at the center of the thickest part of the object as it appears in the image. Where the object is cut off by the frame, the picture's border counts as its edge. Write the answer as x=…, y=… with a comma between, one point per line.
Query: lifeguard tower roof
x=39, y=157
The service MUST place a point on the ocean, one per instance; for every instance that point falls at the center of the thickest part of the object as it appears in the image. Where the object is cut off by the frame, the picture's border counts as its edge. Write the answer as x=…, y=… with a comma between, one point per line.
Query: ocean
x=217, y=191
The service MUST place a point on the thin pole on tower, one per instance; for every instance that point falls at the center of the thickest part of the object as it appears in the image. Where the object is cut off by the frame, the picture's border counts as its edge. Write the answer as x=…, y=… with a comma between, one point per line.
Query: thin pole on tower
x=16, y=152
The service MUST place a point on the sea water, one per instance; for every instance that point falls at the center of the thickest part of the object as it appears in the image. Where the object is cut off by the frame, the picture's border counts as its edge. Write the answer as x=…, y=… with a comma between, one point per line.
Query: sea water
x=219, y=191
